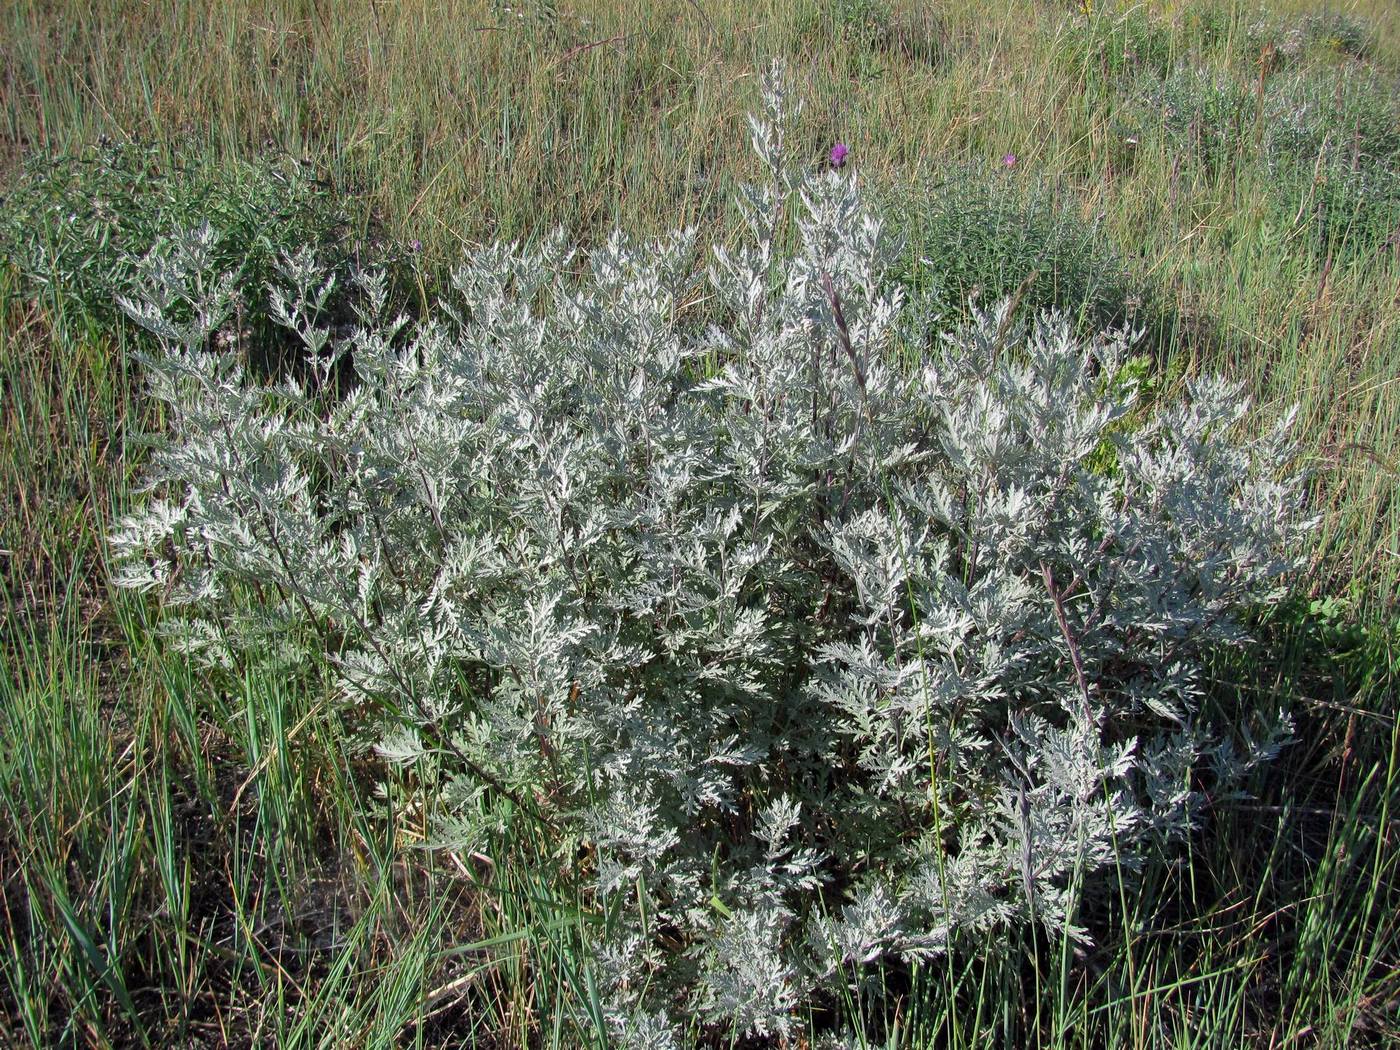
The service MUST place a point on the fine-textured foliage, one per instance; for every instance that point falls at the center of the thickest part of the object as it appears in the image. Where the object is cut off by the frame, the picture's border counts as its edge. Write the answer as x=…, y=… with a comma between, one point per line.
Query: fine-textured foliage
x=1332, y=144
x=1282, y=41
x=812, y=648
x=75, y=226
x=1206, y=118
x=974, y=237
x=1329, y=141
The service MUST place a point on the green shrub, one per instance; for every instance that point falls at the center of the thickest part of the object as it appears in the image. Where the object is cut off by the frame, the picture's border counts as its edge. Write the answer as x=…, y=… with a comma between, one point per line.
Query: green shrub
x=1325, y=33
x=1332, y=145
x=850, y=21
x=1347, y=210
x=1328, y=141
x=1203, y=118
x=1117, y=44
x=1341, y=117
x=74, y=227
x=974, y=235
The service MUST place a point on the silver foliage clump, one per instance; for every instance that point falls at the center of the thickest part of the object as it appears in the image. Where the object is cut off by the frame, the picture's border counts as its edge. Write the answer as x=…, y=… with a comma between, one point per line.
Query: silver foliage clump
x=813, y=647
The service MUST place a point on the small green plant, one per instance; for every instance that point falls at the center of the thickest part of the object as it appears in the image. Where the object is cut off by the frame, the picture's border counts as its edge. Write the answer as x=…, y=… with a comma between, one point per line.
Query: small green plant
x=1318, y=33
x=859, y=21
x=1203, y=118
x=1332, y=144
x=988, y=237
x=73, y=227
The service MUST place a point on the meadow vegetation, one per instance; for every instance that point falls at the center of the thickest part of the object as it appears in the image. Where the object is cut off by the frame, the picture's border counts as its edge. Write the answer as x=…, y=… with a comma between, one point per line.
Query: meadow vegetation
x=201, y=851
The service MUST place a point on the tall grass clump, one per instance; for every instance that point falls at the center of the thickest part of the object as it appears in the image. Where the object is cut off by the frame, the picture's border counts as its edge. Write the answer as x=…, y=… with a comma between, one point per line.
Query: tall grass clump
x=1114, y=49
x=804, y=657
x=866, y=31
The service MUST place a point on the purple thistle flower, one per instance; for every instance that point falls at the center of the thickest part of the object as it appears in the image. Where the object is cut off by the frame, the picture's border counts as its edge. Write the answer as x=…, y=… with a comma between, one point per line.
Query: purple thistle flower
x=1009, y=160
x=416, y=246
x=838, y=155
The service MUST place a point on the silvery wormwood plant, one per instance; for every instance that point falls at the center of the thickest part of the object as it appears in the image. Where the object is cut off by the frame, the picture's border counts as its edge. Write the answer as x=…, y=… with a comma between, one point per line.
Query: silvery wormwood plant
x=820, y=645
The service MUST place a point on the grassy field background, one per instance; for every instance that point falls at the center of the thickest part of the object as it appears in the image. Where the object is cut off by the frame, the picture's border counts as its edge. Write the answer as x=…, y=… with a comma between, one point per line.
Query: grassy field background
x=188, y=865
